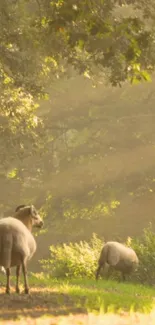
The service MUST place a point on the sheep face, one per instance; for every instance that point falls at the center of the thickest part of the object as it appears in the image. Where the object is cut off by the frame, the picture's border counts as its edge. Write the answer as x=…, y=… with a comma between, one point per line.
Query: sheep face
x=36, y=219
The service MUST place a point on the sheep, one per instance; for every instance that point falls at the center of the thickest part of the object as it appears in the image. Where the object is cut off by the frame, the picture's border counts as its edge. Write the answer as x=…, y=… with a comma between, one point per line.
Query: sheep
x=119, y=257
x=2, y=269
x=17, y=244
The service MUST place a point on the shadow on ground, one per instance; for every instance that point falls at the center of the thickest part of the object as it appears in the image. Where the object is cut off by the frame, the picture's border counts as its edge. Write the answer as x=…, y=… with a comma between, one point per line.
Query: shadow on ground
x=40, y=302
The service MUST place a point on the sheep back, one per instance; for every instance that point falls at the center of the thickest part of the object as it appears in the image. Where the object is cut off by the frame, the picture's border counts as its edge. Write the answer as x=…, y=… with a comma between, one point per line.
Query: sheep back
x=119, y=256
x=16, y=242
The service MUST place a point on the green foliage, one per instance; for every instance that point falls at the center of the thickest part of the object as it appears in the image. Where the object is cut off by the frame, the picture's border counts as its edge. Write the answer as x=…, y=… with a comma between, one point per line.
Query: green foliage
x=145, y=249
x=74, y=259
x=72, y=209
x=101, y=37
x=19, y=124
x=39, y=39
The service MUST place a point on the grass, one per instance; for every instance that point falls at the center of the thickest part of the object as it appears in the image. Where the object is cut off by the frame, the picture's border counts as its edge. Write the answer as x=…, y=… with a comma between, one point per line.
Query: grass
x=78, y=301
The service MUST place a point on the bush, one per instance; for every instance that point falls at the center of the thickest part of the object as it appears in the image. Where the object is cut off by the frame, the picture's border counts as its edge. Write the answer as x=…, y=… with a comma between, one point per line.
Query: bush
x=75, y=259
x=81, y=259
x=145, y=250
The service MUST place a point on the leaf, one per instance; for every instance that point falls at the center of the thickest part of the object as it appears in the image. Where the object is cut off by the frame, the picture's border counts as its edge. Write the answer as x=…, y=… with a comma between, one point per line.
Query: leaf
x=146, y=76
x=12, y=173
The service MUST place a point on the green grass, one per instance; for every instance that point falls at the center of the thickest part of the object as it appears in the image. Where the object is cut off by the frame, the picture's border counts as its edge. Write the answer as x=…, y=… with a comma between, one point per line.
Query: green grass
x=108, y=295
x=51, y=299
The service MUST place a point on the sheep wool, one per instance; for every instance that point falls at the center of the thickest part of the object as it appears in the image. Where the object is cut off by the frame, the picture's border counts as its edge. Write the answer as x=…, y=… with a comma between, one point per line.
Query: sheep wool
x=118, y=256
x=16, y=242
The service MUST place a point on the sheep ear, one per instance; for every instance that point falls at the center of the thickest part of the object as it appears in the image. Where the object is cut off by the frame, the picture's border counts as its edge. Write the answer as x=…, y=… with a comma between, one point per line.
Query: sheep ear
x=20, y=207
x=32, y=210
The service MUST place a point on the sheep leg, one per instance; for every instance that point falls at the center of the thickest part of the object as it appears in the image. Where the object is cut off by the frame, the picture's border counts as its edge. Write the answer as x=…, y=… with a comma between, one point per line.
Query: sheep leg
x=123, y=277
x=101, y=265
x=25, y=277
x=8, y=281
x=109, y=272
x=98, y=272
x=17, y=278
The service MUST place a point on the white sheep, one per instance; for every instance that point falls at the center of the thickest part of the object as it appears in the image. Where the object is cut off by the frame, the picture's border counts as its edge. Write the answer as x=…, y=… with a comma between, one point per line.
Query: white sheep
x=17, y=244
x=119, y=257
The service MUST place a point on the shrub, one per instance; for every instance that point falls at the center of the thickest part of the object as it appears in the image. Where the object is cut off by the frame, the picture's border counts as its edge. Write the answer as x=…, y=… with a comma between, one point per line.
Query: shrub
x=81, y=259
x=75, y=259
x=145, y=250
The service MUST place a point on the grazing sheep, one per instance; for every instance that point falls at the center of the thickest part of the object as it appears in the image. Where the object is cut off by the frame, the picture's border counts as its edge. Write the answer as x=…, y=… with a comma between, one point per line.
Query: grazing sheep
x=119, y=257
x=17, y=244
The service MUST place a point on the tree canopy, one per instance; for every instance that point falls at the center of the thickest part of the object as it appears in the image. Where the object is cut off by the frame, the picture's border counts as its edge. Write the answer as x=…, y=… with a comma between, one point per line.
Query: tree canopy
x=107, y=37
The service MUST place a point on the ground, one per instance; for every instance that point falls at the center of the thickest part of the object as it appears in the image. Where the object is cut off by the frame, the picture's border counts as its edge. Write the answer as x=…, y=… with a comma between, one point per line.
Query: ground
x=79, y=302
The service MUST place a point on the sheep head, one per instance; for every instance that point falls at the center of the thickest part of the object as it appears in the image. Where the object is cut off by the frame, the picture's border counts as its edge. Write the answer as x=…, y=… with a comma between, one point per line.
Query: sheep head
x=29, y=216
